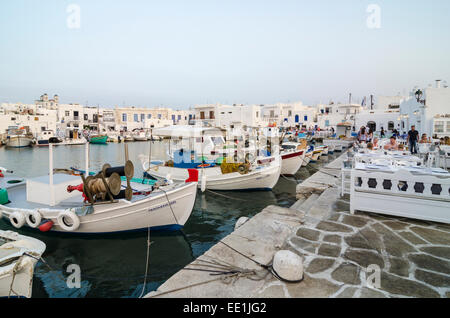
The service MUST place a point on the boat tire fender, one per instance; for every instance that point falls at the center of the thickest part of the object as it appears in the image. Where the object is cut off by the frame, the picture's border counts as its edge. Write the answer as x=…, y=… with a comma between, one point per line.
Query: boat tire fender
x=68, y=221
x=34, y=219
x=17, y=219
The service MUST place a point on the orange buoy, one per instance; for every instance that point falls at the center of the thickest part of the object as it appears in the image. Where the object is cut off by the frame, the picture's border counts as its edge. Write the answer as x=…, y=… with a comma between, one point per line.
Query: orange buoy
x=47, y=226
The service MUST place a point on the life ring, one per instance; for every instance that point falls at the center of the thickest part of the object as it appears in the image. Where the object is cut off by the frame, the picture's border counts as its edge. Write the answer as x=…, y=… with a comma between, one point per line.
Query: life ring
x=68, y=221
x=34, y=219
x=17, y=219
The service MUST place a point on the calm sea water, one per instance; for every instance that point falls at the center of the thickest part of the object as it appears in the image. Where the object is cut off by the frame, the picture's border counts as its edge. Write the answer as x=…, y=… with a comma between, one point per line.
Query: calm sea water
x=114, y=265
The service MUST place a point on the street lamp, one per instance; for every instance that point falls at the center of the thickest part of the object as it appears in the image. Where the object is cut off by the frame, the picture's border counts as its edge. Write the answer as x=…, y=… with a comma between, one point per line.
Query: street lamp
x=418, y=95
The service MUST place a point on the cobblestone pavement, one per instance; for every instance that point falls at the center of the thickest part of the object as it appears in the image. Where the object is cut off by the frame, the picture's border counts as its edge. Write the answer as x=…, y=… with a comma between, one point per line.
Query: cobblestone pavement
x=413, y=256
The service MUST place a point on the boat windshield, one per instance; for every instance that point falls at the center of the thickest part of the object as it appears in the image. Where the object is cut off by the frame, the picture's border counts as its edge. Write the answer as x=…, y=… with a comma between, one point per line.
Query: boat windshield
x=217, y=140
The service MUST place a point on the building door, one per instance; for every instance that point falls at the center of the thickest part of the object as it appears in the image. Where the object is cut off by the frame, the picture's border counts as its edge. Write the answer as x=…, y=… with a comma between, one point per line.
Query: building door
x=391, y=126
x=372, y=125
x=202, y=115
x=297, y=118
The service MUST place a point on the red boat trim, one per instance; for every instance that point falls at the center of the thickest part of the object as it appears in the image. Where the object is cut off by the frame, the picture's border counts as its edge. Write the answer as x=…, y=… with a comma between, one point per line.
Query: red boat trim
x=292, y=155
x=266, y=160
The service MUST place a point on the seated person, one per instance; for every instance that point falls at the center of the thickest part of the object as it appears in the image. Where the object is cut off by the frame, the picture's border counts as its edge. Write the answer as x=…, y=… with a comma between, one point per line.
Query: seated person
x=401, y=147
x=375, y=143
x=392, y=145
x=424, y=139
x=370, y=146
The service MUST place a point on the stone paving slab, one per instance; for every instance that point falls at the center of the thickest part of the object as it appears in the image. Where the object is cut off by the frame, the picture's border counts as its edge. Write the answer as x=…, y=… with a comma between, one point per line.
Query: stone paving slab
x=413, y=257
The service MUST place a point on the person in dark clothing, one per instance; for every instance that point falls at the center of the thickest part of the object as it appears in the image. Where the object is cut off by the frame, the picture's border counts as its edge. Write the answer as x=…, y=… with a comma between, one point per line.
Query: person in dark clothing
x=413, y=138
x=382, y=134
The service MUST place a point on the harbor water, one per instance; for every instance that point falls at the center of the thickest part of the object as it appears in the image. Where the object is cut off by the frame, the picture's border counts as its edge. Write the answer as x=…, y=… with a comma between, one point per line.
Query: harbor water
x=114, y=265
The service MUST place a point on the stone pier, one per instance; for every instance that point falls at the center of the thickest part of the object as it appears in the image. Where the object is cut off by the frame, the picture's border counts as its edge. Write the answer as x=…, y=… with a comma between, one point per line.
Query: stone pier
x=344, y=255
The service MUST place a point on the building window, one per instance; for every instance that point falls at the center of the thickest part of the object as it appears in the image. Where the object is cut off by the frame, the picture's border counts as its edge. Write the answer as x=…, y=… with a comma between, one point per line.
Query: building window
x=86, y=117
x=124, y=117
x=290, y=113
x=159, y=116
x=391, y=125
x=211, y=115
x=142, y=117
x=136, y=118
x=448, y=126
x=67, y=113
x=305, y=118
x=202, y=115
x=179, y=117
x=439, y=127
x=173, y=118
x=149, y=116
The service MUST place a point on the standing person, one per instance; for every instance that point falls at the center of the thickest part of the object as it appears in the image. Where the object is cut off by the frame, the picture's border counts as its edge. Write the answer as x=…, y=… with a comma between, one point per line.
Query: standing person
x=382, y=134
x=413, y=138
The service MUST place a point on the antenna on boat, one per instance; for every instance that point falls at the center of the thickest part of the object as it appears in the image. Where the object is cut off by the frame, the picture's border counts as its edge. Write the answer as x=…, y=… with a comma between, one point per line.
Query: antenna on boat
x=150, y=149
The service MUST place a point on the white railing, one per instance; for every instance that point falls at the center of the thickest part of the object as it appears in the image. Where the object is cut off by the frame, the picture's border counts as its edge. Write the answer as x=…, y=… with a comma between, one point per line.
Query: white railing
x=409, y=192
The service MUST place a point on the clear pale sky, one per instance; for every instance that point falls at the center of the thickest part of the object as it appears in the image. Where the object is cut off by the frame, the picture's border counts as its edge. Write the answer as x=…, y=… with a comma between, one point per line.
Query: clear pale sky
x=183, y=52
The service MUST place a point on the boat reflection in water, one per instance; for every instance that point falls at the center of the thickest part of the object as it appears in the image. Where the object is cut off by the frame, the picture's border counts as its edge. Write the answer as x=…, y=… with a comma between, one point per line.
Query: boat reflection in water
x=113, y=266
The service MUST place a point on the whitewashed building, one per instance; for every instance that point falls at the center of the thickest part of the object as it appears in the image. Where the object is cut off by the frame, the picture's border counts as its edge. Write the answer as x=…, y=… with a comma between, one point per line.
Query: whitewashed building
x=427, y=109
x=328, y=116
x=289, y=115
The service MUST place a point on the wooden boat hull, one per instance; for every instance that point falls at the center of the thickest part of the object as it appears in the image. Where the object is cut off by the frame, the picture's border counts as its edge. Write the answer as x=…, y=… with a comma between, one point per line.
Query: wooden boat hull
x=262, y=178
x=22, y=280
x=291, y=162
x=307, y=159
x=18, y=142
x=98, y=140
x=153, y=211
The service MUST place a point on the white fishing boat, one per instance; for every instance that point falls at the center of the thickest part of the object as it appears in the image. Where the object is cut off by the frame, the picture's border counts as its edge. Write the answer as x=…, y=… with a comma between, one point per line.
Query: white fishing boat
x=307, y=158
x=233, y=173
x=324, y=149
x=128, y=138
x=316, y=152
x=263, y=175
x=18, y=256
x=46, y=137
x=140, y=136
x=18, y=137
x=73, y=142
x=292, y=157
x=52, y=203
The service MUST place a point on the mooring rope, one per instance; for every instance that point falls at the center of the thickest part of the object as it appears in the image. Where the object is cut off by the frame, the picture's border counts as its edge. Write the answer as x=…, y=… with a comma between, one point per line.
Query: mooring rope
x=225, y=196
x=146, y=263
x=170, y=205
